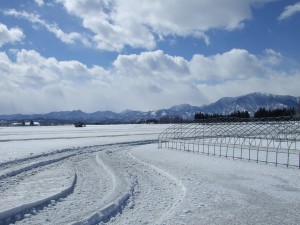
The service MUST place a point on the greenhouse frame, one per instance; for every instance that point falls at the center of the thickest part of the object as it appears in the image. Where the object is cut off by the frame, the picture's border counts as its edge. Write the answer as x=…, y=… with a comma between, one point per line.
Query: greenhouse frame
x=270, y=140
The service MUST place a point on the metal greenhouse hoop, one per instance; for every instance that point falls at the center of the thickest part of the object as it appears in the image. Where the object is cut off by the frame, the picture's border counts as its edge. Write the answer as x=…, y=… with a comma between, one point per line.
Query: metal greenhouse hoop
x=269, y=140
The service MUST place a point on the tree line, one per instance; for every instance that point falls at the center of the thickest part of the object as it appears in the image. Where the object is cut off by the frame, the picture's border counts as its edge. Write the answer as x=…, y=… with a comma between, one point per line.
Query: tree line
x=260, y=113
x=235, y=114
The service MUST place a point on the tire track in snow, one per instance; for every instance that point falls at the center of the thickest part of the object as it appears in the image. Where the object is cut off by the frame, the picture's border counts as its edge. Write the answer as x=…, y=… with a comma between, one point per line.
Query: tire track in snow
x=179, y=198
x=103, y=182
x=30, y=158
x=17, y=213
x=157, y=195
x=27, y=167
x=119, y=195
x=96, y=187
x=30, y=166
x=110, y=173
x=77, y=137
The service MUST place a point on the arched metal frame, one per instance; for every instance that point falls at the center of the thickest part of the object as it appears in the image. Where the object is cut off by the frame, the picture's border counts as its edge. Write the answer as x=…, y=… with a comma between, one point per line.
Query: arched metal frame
x=274, y=141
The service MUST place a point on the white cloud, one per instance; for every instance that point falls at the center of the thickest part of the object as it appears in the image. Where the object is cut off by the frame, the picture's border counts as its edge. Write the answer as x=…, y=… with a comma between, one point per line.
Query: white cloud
x=32, y=83
x=281, y=83
x=273, y=57
x=10, y=35
x=140, y=24
x=39, y=2
x=237, y=64
x=114, y=24
x=154, y=64
x=69, y=38
x=290, y=11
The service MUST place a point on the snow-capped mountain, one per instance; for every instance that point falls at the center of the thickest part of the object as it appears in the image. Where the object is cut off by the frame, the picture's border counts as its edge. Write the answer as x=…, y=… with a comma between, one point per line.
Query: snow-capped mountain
x=250, y=102
x=184, y=111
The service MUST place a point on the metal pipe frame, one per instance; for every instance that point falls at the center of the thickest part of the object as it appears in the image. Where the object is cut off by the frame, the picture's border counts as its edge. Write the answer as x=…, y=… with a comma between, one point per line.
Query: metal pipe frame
x=275, y=141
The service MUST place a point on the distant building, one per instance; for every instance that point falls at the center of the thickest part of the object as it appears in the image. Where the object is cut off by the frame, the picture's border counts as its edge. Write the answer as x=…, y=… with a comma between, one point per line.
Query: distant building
x=23, y=123
x=17, y=124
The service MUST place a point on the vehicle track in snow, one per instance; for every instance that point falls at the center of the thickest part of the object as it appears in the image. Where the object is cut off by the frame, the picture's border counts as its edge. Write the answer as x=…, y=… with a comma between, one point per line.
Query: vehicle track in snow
x=92, y=181
x=11, y=173
x=180, y=190
x=21, y=180
x=104, y=176
x=157, y=196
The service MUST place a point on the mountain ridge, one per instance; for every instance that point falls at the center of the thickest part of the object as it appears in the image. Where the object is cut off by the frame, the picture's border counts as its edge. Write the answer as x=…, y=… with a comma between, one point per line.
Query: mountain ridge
x=249, y=102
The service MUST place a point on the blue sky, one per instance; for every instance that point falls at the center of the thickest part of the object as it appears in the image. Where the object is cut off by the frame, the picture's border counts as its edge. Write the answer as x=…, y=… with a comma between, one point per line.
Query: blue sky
x=139, y=54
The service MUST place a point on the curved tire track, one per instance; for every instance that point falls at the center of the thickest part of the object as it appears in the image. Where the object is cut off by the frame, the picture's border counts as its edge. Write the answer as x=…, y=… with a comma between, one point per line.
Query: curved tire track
x=178, y=199
x=112, y=186
x=96, y=188
x=157, y=195
x=18, y=212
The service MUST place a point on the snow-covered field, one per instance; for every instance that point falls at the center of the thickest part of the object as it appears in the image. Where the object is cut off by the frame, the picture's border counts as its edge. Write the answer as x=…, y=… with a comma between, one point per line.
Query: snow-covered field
x=116, y=175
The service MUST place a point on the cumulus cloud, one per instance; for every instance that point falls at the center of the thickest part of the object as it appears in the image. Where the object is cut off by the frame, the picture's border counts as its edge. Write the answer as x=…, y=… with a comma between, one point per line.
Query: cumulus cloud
x=290, y=11
x=113, y=25
x=140, y=24
x=69, y=38
x=10, y=35
x=31, y=83
x=155, y=64
x=235, y=64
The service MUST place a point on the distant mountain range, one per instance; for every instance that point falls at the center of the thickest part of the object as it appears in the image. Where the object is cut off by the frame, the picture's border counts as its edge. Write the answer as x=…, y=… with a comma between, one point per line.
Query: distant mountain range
x=250, y=102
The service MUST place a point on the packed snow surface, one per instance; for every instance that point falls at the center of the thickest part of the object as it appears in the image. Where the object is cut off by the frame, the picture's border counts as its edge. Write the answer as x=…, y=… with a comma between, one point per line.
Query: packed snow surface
x=19, y=142
x=117, y=175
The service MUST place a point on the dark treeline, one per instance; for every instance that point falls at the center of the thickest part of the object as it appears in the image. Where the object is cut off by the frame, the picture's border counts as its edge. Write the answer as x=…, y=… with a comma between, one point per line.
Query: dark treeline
x=235, y=114
x=263, y=113
x=260, y=113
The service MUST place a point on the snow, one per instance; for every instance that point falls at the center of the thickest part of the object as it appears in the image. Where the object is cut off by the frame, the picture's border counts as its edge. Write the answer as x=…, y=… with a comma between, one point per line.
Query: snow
x=46, y=187
x=224, y=191
x=19, y=142
x=120, y=179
